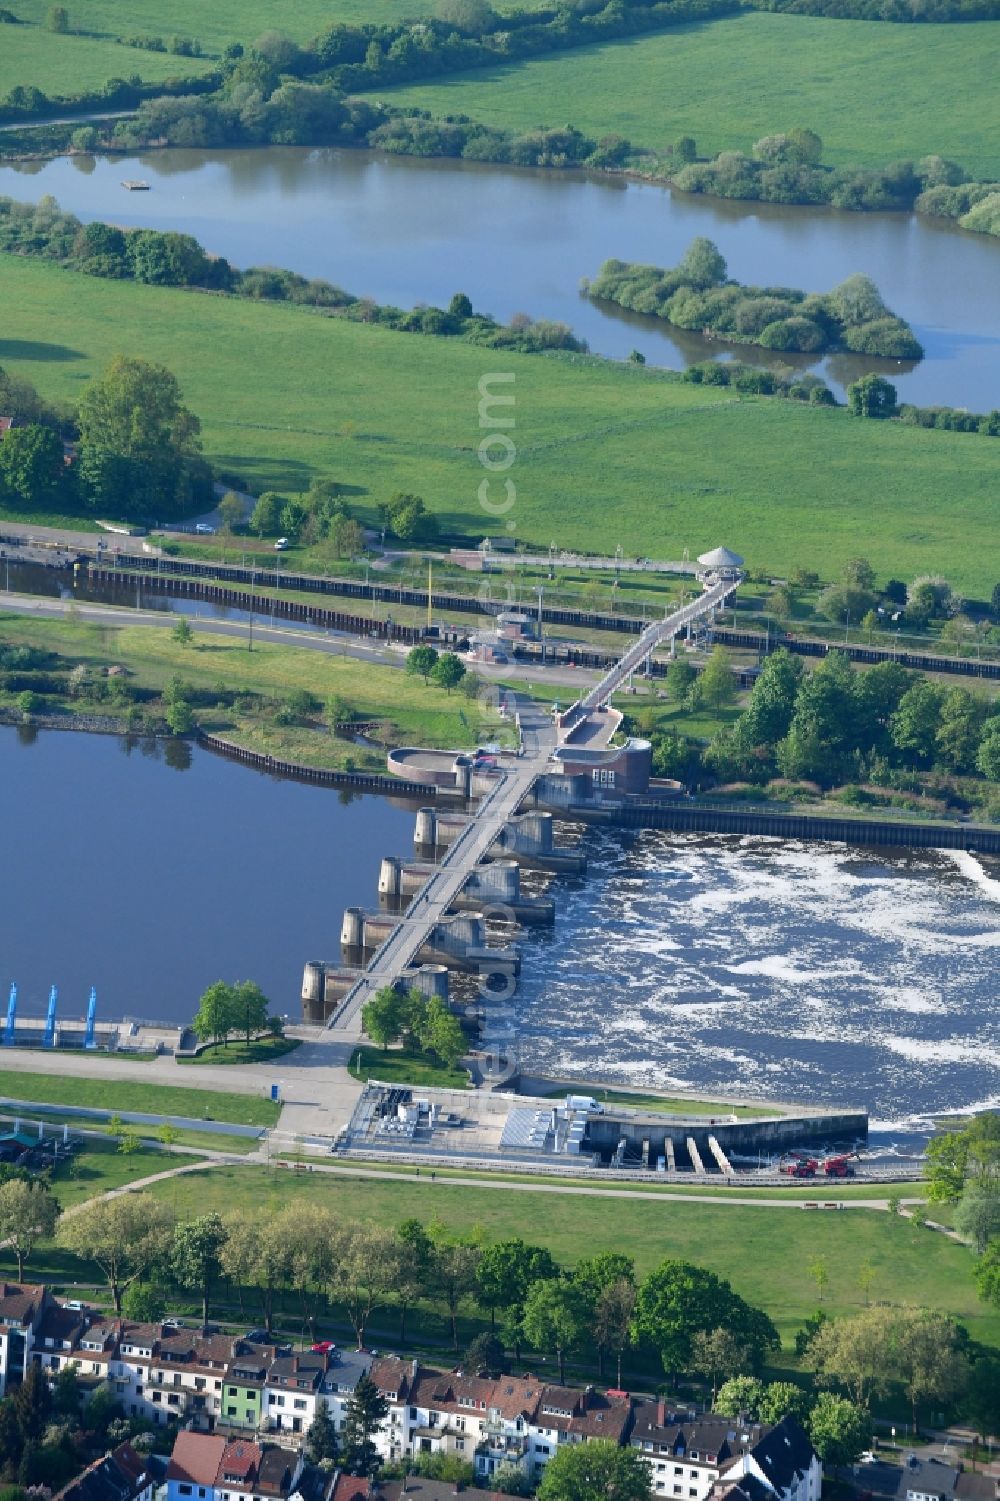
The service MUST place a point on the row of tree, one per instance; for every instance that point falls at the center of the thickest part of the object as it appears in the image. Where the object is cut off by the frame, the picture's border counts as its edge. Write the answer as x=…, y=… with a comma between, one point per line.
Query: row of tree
x=836, y=724
x=226, y=1009
x=423, y=1023
x=697, y=294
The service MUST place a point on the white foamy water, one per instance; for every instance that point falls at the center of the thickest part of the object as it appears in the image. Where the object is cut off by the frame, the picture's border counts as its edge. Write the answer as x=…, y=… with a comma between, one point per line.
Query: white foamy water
x=792, y=971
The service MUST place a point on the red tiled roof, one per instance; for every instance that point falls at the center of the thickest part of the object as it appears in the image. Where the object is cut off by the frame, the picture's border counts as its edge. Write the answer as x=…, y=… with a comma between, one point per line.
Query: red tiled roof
x=240, y=1458
x=196, y=1457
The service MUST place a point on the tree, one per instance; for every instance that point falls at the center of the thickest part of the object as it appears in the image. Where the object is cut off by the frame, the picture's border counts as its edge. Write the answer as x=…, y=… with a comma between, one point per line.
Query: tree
x=265, y=518
x=977, y=1216
x=139, y=449
x=740, y=1394
x=321, y=1437
x=180, y=717
x=507, y=1271
x=702, y=264
x=230, y=511
x=718, y=1354
x=871, y=396
x=415, y=1262
x=216, y=1016
x=821, y=738
x=855, y=1353
x=554, y=1319
x=256, y=1254
x=440, y=1032
x=820, y=1275
x=595, y=1471
x=32, y=468
x=607, y=1282
x=66, y=1392
x=454, y=1267
x=929, y=1357
x=987, y=1274
x=28, y=1214
x=32, y=1402
x=981, y=1404
x=840, y=1430
x=196, y=1256
x=485, y=1356
x=182, y=632
x=782, y=1399
x=124, y=1236
x=383, y=1017
x=363, y=1273
x=680, y=676
x=470, y=17
x=717, y=686
x=678, y=1299
x=988, y=755
x=420, y=661
x=914, y=726
x=447, y=671
x=250, y=1007
x=365, y=1412
x=58, y=19
x=144, y=1303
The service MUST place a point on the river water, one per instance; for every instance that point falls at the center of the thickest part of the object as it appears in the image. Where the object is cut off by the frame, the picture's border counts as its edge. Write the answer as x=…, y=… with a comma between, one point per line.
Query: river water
x=405, y=231
x=760, y=968
x=813, y=973
x=152, y=869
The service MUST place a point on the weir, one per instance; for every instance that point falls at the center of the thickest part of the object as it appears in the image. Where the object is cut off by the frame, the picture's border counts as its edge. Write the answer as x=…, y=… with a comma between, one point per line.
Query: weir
x=478, y=869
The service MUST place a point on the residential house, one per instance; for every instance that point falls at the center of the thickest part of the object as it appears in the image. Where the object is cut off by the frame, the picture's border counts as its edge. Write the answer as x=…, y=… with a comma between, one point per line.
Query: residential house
x=243, y=1387
x=122, y=1475
x=344, y=1370
x=567, y=1415
x=21, y=1309
x=781, y=1466
x=926, y=1480
x=686, y=1453
x=293, y=1388
x=506, y=1435
x=193, y=1465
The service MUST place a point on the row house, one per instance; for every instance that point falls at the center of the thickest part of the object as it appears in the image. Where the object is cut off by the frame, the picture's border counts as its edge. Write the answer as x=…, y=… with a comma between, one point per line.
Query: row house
x=122, y=1475
x=22, y=1308
x=489, y=1422
x=695, y=1458
x=209, y=1467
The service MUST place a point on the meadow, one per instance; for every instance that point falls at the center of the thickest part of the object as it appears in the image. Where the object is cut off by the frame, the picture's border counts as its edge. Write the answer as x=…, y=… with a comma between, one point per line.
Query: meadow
x=766, y=1251
x=872, y=91
x=65, y=65
x=149, y=1099
x=606, y=454
x=421, y=713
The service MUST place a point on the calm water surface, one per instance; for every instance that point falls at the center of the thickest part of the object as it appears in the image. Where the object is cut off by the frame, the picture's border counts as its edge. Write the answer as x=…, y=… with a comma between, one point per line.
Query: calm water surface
x=406, y=231
x=150, y=879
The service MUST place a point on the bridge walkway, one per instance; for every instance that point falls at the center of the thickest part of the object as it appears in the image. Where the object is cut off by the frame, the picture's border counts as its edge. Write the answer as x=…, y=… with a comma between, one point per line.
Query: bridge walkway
x=437, y=894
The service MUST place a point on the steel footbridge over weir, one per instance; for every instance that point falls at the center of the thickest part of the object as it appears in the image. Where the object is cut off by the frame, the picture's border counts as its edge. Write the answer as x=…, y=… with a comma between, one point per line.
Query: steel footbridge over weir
x=588, y=726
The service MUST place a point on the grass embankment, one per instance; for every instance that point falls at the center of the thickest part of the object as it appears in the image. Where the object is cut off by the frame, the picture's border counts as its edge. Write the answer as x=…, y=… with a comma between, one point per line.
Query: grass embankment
x=716, y=81
x=66, y=65
x=147, y=1098
x=606, y=454
x=401, y=1066
x=212, y=665
x=765, y=1251
x=261, y=1050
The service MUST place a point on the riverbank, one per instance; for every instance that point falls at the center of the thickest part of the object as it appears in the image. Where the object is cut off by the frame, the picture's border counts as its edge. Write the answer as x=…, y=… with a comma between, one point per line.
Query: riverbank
x=791, y=484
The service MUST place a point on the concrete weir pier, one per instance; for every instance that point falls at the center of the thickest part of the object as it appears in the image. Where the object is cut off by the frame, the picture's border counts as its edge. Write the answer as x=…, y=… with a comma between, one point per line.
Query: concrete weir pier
x=477, y=874
x=494, y=888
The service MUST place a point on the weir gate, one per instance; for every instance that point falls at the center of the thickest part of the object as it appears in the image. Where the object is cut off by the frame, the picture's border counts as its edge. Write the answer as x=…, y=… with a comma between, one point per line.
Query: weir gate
x=444, y=925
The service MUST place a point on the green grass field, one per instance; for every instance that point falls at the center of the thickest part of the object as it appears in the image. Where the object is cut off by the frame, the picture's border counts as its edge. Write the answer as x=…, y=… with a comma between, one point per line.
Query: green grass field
x=765, y=1251
x=261, y=1050
x=99, y=1166
x=65, y=65
x=401, y=1066
x=730, y=81
x=150, y=1099
x=605, y=454
x=419, y=712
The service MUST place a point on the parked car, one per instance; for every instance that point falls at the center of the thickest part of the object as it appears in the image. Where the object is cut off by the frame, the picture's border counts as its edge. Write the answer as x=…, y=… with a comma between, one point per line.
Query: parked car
x=203, y=529
x=281, y=544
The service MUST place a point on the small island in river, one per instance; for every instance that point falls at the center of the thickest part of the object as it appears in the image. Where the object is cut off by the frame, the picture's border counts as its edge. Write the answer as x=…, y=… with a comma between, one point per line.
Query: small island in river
x=698, y=295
